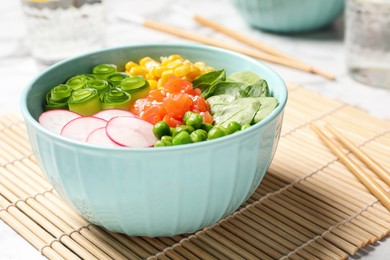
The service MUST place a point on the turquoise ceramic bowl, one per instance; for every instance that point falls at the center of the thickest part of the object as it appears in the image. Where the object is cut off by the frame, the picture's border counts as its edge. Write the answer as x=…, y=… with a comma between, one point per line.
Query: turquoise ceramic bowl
x=154, y=191
x=289, y=16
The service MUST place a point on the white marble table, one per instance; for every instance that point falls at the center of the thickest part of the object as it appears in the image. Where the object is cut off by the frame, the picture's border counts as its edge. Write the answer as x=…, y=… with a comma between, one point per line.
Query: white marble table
x=323, y=49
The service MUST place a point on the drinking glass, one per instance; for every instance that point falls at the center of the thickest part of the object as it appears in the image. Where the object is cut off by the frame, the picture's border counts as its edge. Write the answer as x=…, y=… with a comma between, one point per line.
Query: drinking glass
x=367, y=39
x=58, y=29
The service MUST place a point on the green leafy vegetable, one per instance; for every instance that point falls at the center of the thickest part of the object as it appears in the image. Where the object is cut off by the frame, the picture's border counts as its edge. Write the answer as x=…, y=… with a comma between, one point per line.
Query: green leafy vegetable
x=237, y=89
x=268, y=104
x=248, y=110
x=242, y=98
x=244, y=76
x=207, y=80
x=241, y=110
x=258, y=89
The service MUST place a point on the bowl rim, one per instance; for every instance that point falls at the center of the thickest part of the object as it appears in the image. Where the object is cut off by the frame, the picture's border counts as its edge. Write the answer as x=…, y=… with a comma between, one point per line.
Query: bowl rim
x=278, y=110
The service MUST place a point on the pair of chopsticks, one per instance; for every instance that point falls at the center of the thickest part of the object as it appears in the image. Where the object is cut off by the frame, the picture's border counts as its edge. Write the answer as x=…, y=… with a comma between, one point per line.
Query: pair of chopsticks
x=260, y=50
x=371, y=184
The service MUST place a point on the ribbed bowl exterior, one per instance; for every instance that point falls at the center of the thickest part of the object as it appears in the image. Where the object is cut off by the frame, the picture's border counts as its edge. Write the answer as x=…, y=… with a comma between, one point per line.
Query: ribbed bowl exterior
x=289, y=16
x=152, y=191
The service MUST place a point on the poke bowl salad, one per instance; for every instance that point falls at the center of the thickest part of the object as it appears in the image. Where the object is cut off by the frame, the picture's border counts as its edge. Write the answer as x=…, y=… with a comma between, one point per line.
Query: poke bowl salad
x=156, y=103
x=155, y=139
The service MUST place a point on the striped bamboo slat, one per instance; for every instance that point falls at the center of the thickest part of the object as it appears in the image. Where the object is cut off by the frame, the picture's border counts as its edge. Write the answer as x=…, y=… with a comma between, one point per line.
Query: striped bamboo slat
x=309, y=206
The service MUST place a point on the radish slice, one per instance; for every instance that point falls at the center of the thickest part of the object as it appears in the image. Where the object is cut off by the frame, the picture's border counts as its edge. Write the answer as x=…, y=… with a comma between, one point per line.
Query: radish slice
x=99, y=136
x=80, y=128
x=55, y=120
x=130, y=131
x=110, y=113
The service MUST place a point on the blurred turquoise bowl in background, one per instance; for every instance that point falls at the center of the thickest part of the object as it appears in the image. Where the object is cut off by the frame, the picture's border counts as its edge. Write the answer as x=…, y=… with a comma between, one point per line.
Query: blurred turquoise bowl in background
x=289, y=16
x=154, y=191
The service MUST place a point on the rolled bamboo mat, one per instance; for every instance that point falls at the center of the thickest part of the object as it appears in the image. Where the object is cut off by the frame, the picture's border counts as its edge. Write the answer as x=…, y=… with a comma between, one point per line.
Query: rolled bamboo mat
x=308, y=206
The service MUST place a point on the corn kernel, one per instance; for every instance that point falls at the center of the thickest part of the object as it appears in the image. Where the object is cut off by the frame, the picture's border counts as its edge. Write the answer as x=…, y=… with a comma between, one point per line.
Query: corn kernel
x=160, y=83
x=129, y=65
x=200, y=65
x=194, y=72
x=158, y=73
x=144, y=60
x=163, y=59
x=152, y=83
x=174, y=64
x=207, y=69
x=149, y=75
x=136, y=71
x=166, y=75
x=158, y=70
x=148, y=63
x=182, y=70
x=175, y=57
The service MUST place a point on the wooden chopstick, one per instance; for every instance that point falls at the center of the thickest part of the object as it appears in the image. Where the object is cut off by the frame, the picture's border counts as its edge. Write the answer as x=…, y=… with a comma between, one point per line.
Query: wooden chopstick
x=207, y=40
x=371, y=163
x=206, y=22
x=373, y=186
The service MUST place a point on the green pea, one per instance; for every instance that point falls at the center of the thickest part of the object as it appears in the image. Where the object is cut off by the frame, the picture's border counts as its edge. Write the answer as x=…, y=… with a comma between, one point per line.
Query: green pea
x=198, y=135
x=186, y=116
x=166, y=139
x=161, y=128
x=216, y=132
x=195, y=120
x=207, y=127
x=186, y=128
x=233, y=127
x=245, y=126
x=159, y=143
x=181, y=138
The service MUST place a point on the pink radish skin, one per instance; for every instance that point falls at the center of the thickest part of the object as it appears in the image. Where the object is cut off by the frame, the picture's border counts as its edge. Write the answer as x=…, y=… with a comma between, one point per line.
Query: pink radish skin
x=55, y=120
x=79, y=128
x=130, y=132
x=110, y=113
x=99, y=136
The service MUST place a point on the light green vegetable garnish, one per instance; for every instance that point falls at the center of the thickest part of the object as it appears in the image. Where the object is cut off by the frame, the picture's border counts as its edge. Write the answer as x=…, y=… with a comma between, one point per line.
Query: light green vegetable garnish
x=58, y=97
x=138, y=87
x=99, y=84
x=115, y=98
x=115, y=79
x=78, y=82
x=102, y=71
x=84, y=101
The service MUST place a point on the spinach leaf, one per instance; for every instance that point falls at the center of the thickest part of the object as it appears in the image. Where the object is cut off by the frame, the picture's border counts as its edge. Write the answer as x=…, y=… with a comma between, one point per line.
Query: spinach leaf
x=219, y=102
x=205, y=81
x=237, y=89
x=268, y=104
x=244, y=76
x=241, y=110
x=258, y=89
x=243, y=97
x=248, y=110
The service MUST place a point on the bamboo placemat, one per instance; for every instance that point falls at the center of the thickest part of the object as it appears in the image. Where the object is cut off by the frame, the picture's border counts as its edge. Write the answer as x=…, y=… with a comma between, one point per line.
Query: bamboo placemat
x=309, y=206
